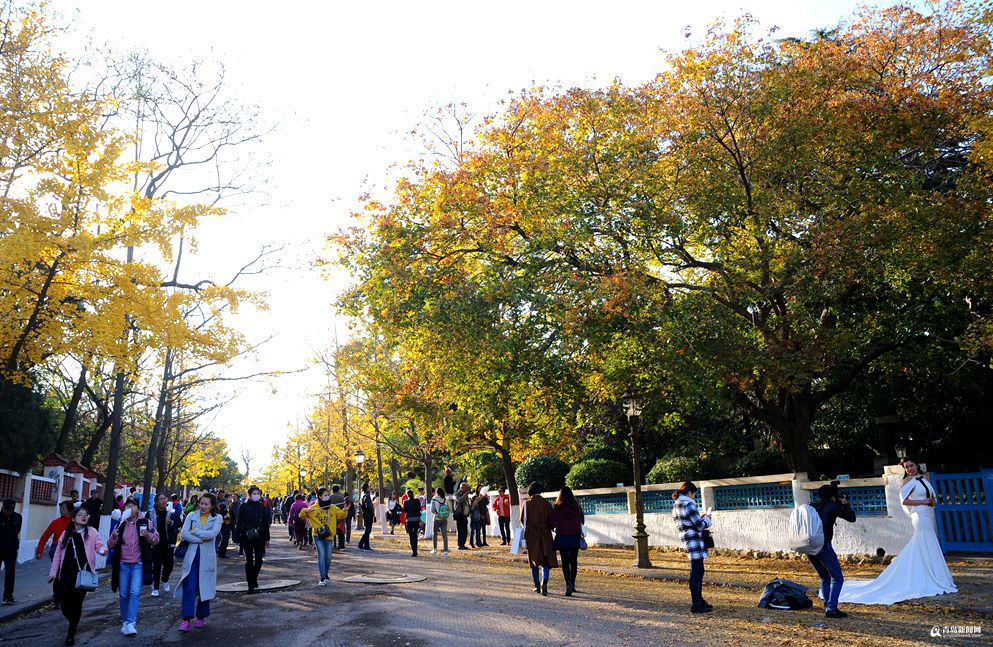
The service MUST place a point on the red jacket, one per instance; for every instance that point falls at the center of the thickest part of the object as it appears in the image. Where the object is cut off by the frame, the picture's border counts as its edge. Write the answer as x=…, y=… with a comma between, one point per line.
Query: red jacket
x=54, y=531
x=501, y=504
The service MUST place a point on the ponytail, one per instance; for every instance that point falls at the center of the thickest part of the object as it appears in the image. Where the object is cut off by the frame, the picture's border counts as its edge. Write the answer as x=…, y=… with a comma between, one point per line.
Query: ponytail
x=685, y=490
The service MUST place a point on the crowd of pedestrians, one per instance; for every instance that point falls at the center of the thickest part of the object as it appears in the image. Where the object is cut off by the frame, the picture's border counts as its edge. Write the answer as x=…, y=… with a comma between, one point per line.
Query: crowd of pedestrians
x=146, y=547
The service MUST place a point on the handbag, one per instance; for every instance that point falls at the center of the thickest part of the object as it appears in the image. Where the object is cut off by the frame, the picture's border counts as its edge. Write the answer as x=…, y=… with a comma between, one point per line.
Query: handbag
x=180, y=551
x=582, y=537
x=708, y=539
x=85, y=580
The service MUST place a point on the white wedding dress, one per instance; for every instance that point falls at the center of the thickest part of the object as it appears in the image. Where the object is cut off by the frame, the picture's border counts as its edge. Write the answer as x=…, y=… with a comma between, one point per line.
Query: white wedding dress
x=918, y=571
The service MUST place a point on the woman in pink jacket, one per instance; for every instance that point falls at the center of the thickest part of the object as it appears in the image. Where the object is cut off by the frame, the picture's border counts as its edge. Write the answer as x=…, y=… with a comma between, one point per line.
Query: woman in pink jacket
x=77, y=548
x=133, y=538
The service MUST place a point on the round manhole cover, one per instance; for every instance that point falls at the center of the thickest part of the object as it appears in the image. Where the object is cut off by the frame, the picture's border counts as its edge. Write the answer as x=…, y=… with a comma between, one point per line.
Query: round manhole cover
x=384, y=578
x=264, y=585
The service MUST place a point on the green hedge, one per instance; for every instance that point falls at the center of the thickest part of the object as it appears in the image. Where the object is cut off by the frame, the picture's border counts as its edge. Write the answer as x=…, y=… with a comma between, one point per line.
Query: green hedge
x=596, y=473
x=675, y=469
x=550, y=471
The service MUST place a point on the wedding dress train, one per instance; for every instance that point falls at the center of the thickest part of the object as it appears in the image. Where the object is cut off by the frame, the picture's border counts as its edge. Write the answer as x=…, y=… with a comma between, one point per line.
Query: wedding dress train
x=918, y=571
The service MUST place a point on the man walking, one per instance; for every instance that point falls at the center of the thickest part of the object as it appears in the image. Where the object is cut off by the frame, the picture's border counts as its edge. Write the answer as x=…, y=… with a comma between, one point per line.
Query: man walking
x=10, y=541
x=366, y=506
x=461, y=514
x=831, y=507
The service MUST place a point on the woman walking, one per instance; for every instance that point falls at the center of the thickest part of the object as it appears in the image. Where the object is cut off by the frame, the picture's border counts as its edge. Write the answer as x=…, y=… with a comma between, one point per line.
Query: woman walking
x=567, y=521
x=690, y=524
x=393, y=511
x=196, y=587
x=324, y=517
x=440, y=511
x=134, y=538
x=412, y=514
x=298, y=525
x=535, y=516
x=254, y=519
x=75, y=550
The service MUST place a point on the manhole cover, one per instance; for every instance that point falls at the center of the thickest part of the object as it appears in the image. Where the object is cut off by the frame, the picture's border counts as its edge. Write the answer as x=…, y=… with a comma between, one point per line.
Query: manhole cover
x=384, y=578
x=264, y=585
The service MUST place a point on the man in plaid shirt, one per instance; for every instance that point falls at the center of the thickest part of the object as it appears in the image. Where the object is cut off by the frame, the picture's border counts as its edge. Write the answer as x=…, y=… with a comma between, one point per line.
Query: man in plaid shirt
x=690, y=524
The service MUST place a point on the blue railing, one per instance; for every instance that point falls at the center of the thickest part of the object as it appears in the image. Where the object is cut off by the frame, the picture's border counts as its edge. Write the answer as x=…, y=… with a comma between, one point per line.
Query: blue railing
x=867, y=501
x=965, y=510
x=759, y=495
x=603, y=503
x=661, y=500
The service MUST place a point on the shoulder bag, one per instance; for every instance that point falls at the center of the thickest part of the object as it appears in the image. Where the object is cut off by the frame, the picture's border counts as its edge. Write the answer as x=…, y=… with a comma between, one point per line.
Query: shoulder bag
x=85, y=580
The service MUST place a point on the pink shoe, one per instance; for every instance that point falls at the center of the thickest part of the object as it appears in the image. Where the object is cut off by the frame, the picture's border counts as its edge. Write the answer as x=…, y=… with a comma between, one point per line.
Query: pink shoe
x=199, y=623
x=184, y=625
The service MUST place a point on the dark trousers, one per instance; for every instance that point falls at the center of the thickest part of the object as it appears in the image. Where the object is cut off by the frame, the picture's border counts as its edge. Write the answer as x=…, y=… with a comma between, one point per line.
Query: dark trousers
x=254, y=552
x=162, y=563
x=414, y=531
x=570, y=560
x=71, y=604
x=9, y=558
x=339, y=537
x=348, y=529
x=696, y=582
x=367, y=523
x=505, y=535
x=222, y=541
x=461, y=530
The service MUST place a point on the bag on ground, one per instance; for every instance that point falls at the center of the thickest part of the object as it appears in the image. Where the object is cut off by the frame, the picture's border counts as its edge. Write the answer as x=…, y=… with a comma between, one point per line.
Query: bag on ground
x=805, y=532
x=785, y=595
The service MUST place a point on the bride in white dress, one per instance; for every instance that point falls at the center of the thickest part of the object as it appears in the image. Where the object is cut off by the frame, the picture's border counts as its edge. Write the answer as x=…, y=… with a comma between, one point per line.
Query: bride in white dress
x=919, y=570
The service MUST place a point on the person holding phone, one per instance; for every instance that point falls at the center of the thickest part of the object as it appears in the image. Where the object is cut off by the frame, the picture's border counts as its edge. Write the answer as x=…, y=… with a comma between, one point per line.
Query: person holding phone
x=132, y=563
x=690, y=524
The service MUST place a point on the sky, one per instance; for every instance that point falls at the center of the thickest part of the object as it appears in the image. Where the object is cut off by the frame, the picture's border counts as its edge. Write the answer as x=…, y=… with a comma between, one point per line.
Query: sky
x=343, y=84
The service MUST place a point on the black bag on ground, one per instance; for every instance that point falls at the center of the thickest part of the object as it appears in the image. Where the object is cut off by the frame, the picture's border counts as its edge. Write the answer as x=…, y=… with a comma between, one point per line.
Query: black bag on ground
x=785, y=595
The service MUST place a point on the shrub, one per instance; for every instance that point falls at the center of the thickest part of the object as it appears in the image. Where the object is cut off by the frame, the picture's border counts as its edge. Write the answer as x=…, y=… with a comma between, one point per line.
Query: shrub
x=759, y=463
x=595, y=473
x=550, y=471
x=608, y=453
x=675, y=469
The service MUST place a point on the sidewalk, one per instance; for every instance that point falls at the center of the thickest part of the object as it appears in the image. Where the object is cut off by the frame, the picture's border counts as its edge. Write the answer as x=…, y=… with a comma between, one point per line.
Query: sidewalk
x=31, y=588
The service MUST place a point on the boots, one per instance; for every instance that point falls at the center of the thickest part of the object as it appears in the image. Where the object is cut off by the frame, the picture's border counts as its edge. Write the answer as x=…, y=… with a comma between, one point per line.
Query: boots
x=544, y=587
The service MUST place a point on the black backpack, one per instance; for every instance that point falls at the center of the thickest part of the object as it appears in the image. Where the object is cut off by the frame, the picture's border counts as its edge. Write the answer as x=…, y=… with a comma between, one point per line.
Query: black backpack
x=785, y=595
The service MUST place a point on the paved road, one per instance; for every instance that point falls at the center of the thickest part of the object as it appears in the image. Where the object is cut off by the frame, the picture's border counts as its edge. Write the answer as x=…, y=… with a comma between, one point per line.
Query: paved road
x=465, y=601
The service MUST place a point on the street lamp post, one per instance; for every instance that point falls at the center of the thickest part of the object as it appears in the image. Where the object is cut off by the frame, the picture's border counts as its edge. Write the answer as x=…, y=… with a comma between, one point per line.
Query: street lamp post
x=359, y=459
x=901, y=450
x=632, y=409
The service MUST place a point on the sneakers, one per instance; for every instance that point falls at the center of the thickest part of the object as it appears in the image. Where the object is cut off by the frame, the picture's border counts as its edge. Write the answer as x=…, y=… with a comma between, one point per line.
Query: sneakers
x=835, y=613
x=165, y=587
x=155, y=593
x=129, y=629
x=434, y=552
x=199, y=623
x=184, y=625
x=8, y=601
x=444, y=553
x=322, y=583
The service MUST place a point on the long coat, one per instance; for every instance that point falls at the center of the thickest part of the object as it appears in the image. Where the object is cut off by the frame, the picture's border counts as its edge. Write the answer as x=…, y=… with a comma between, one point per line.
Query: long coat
x=200, y=535
x=537, y=533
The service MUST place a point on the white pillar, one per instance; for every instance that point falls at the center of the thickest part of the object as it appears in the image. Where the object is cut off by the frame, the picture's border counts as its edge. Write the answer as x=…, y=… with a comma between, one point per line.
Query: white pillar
x=26, y=551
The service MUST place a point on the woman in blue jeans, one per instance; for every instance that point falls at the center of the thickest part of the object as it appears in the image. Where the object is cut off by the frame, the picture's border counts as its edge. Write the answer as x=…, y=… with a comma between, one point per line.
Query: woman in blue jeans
x=197, y=586
x=324, y=517
x=132, y=562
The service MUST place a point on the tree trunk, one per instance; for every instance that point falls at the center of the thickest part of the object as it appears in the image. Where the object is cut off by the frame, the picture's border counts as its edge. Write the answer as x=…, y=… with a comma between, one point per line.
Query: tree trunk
x=160, y=452
x=508, y=475
x=13, y=360
x=791, y=423
x=157, y=429
x=113, y=454
x=395, y=475
x=95, y=440
x=69, y=421
x=428, y=474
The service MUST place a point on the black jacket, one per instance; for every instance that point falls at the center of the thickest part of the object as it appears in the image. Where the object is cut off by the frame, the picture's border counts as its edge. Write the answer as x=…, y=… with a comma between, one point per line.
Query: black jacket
x=831, y=511
x=10, y=530
x=412, y=508
x=253, y=514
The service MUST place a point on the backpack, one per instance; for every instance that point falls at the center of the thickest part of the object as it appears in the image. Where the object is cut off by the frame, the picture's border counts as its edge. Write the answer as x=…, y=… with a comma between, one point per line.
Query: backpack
x=805, y=532
x=441, y=514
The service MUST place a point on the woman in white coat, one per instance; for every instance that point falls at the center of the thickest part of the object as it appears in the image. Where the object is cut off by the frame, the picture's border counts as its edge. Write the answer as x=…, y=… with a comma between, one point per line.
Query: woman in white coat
x=199, y=566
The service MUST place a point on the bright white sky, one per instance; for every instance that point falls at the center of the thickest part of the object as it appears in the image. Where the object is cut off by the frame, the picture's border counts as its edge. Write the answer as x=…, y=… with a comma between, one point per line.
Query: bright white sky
x=345, y=82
